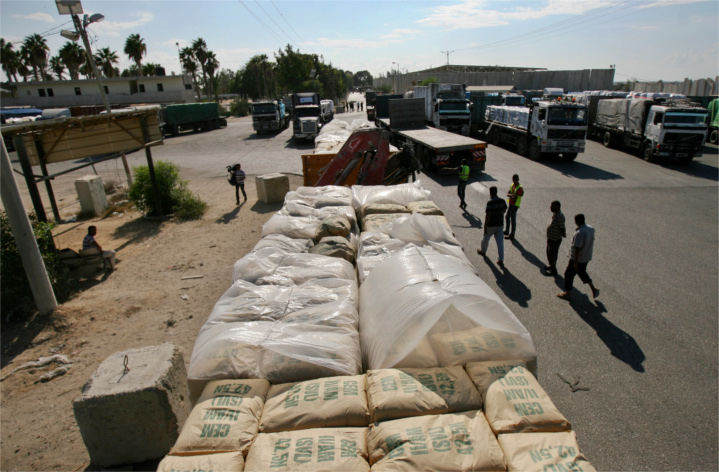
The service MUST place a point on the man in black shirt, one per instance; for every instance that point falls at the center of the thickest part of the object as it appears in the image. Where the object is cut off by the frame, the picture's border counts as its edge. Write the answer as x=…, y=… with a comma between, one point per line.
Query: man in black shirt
x=493, y=225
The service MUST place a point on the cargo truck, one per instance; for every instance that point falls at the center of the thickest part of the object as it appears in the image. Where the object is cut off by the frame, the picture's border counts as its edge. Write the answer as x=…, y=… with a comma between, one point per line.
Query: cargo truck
x=713, y=121
x=194, y=116
x=539, y=129
x=433, y=147
x=655, y=127
x=327, y=110
x=446, y=107
x=370, y=104
x=306, y=115
x=480, y=101
x=269, y=115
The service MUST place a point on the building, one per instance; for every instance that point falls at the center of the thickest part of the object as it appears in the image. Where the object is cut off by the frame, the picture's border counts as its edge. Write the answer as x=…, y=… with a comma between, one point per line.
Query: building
x=120, y=91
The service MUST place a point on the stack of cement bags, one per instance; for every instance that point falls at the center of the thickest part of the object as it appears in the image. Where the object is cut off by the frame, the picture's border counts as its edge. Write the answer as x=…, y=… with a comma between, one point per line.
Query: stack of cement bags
x=291, y=313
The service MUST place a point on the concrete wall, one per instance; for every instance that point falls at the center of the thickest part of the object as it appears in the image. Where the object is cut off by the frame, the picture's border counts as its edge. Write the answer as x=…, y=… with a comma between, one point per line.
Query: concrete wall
x=569, y=80
x=692, y=88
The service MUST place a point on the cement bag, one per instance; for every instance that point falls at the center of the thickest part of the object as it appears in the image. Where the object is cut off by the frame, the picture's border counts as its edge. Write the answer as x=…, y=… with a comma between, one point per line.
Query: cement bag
x=401, y=194
x=452, y=442
x=320, y=301
x=425, y=207
x=334, y=226
x=263, y=268
x=421, y=294
x=336, y=246
x=298, y=227
x=283, y=244
x=310, y=450
x=379, y=222
x=514, y=402
x=374, y=247
x=380, y=209
x=540, y=452
x=332, y=402
x=298, y=209
x=395, y=393
x=225, y=418
x=318, y=197
x=223, y=462
x=278, y=352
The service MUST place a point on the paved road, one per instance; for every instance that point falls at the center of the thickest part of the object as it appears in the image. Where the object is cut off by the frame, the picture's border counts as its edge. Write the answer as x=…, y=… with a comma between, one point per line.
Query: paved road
x=646, y=351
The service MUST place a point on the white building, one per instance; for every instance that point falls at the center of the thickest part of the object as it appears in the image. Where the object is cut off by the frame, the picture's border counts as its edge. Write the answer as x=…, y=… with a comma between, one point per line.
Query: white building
x=120, y=91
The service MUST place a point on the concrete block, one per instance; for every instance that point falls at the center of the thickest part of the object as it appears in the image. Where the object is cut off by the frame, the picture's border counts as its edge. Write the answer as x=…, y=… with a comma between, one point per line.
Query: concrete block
x=93, y=200
x=130, y=416
x=272, y=188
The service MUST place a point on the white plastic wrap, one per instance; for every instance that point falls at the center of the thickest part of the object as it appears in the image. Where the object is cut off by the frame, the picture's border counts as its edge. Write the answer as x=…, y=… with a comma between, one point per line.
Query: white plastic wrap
x=283, y=244
x=318, y=197
x=272, y=267
x=329, y=302
x=420, y=308
x=401, y=194
x=513, y=116
x=295, y=208
x=297, y=227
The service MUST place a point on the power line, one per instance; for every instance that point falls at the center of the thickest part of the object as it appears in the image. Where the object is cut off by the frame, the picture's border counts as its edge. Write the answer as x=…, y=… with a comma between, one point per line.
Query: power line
x=290, y=40
x=263, y=23
x=291, y=27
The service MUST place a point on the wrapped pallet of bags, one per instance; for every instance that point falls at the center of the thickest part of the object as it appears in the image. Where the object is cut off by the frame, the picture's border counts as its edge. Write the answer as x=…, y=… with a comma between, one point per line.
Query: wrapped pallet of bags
x=514, y=402
x=278, y=352
x=331, y=402
x=451, y=442
x=294, y=208
x=419, y=297
x=225, y=462
x=310, y=450
x=540, y=452
x=336, y=246
x=381, y=221
x=425, y=207
x=318, y=197
x=225, y=418
x=269, y=266
x=298, y=227
x=380, y=209
x=373, y=248
x=330, y=302
x=283, y=244
x=402, y=194
x=401, y=393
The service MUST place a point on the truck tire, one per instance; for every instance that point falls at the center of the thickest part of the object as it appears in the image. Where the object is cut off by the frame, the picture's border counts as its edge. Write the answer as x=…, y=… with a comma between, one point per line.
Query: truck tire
x=535, y=152
x=608, y=140
x=522, y=146
x=569, y=156
x=646, y=152
x=175, y=130
x=495, y=137
x=686, y=160
x=714, y=136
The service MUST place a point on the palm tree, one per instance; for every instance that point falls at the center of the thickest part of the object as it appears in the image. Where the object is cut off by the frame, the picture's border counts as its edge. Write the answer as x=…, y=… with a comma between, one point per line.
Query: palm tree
x=57, y=66
x=37, y=49
x=189, y=64
x=211, y=66
x=73, y=56
x=199, y=48
x=135, y=48
x=9, y=58
x=106, y=61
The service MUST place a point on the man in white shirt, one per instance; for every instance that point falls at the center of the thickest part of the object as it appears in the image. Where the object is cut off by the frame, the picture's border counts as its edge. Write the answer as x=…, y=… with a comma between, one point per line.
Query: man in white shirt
x=580, y=253
x=89, y=243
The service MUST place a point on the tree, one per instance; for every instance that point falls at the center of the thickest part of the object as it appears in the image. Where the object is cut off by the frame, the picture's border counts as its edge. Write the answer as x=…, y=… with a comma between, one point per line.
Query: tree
x=199, y=50
x=362, y=79
x=10, y=59
x=293, y=69
x=135, y=48
x=106, y=60
x=148, y=70
x=259, y=77
x=36, y=49
x=429, y=80
x=211, y=66
x=57, y=66
x=190, y=65
x=73, y=56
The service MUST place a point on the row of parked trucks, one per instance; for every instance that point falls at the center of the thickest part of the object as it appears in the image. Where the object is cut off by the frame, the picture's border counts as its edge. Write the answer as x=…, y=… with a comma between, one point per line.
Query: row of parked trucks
x=306, y=111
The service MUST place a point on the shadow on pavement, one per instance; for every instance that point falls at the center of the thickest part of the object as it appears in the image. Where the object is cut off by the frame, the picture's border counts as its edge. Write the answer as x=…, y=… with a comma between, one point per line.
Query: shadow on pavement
x=230, y=215
x=304, y=145
x=473, y=221
x=620, y=343
x=534, y=260
x=136, y=230
x=512, y=287
x=580, y=170
x=263, y=208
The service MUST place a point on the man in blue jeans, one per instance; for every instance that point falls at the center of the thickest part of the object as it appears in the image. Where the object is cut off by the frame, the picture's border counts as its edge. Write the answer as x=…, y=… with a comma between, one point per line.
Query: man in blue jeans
x=493, y=217
x=514, y=199
x=579, y=256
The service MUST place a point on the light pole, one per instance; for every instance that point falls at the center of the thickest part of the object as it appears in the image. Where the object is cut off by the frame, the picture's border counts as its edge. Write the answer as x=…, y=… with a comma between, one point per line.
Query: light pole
x=397, y=89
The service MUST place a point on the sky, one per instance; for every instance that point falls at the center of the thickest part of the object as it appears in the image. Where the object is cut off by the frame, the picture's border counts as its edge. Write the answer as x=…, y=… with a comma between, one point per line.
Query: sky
x=644, y=40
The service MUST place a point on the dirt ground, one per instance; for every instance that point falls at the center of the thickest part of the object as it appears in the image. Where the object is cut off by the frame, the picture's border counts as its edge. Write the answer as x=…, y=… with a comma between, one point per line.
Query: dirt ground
x=140, y=304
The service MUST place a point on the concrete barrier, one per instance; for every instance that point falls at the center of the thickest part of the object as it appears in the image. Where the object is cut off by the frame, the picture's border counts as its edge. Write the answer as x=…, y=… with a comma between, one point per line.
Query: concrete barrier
x=93, y=200
x=134, y=414
x=272, y=188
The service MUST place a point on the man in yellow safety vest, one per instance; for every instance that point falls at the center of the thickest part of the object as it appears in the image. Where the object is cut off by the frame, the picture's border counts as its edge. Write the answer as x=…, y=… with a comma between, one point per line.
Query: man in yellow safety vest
x=514, y=199
x=462, y=184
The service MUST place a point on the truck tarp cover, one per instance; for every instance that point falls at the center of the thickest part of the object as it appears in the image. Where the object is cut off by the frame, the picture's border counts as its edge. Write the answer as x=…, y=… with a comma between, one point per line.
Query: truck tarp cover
x=623, y=114
x=191, y=112
x=713, y=109
x=513, y=116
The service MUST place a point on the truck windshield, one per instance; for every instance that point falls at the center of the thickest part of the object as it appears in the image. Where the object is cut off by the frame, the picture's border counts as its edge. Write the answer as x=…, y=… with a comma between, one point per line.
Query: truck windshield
x=685, y=118
x=303, y=112
x=567, y=116
x=453, y=106
x=263, y=108
x=514, y=101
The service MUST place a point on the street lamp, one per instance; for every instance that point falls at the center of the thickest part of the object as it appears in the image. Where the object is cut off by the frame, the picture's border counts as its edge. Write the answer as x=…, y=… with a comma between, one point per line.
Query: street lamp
x=397, y=89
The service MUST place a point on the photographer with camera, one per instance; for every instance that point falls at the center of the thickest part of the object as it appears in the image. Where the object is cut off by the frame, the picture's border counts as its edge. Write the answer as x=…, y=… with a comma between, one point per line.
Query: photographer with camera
x=237, y=178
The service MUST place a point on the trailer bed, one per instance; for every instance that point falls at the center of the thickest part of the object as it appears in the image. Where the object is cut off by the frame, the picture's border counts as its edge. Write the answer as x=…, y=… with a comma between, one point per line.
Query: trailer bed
x=437, y=139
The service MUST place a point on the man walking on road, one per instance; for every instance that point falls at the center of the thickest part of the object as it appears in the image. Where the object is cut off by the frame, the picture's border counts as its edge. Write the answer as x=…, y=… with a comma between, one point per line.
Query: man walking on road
x=579, y=256
x=494, y=214
x=555, y=232
x=515, y=198
x=462, y=184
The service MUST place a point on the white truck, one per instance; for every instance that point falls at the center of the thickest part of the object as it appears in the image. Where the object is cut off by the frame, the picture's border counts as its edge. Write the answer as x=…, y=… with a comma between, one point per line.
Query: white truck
x=656, y=127
x=327, y=110
x=446, y=107
x=269, y=115
x=306, y=115
x=539, y=129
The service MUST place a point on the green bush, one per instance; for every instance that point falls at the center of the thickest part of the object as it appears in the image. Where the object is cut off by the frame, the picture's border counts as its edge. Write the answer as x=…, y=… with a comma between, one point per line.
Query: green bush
x=15, y=290
x=175, y=197
x=429, y=80
x=240, y=107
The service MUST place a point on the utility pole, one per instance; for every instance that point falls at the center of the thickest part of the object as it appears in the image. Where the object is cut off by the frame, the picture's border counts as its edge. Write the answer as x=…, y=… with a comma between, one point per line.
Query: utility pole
x=448, y=53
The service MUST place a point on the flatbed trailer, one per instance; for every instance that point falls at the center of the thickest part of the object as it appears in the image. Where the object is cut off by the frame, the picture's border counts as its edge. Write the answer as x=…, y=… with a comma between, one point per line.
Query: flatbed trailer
x=434, y=148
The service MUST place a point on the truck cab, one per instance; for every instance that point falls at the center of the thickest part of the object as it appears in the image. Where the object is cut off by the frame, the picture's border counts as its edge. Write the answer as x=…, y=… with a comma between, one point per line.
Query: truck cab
x=269, y=115
x=559, y=126
x=327, y=111
x=513, y=100
x=675, y=131
x=453, y=115
x=307, y=121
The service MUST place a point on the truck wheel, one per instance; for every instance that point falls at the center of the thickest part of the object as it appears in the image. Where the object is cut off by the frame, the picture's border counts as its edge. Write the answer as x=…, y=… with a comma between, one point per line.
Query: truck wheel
x=686, y=160
x=607, y=140
x=647, y=153
x=175, y=130
x=535, y=153
x=522, y=146
x=495, y=137
x=569, y=156
x=714, y=136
